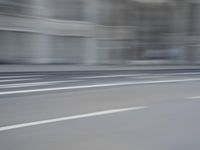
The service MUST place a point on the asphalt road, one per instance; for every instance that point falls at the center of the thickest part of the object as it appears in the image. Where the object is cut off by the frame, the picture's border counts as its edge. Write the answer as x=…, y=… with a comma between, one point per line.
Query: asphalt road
x=102, y=110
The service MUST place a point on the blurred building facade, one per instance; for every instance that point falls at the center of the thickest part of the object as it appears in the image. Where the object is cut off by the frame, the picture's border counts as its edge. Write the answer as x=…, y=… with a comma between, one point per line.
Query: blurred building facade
x=100, y=31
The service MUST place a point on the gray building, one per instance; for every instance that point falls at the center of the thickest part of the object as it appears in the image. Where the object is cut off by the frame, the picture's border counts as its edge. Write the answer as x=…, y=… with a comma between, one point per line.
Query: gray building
x=99, y=31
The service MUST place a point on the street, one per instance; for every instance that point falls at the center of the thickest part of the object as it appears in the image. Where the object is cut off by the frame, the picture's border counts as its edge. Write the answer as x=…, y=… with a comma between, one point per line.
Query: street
x=100, y=110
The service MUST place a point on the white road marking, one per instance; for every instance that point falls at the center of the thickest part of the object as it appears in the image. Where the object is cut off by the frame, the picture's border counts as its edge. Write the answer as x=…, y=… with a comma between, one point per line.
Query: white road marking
x=184, y=73
x=148, y=77
x=110, y=76
x=195, y=97
x=135, y=75
x=99, y=113
x=35, y=84
x=23, y=76
x=98, y=85
x=13, y=80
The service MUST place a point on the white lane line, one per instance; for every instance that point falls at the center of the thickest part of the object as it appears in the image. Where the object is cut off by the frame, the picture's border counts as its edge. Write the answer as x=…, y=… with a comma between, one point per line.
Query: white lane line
x=195, y=97
x=99, y=113
x=98, y=85
x=23, y=76
x=110, y=76
x=35, y=84
x=13, y=80
x=185, y=73
x=135, y=75
x=148, y=77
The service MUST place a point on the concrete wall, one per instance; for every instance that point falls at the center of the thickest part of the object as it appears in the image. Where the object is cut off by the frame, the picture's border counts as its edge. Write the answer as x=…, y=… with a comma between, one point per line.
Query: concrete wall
x=96, y=31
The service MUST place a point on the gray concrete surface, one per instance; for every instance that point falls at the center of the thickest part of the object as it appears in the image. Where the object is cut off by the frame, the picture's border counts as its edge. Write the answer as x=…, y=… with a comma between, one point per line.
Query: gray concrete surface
x=169, y=120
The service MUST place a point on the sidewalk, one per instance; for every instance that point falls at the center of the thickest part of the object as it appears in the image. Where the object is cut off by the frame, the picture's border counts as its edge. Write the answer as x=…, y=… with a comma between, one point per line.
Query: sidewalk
x=45, y=68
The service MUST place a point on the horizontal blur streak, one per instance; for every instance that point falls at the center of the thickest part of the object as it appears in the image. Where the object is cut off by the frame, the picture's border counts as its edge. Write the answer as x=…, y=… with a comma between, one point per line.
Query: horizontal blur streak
x=100, y=31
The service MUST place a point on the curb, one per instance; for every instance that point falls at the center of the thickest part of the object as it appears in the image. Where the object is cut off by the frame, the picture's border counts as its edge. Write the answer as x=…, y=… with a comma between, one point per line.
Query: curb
x=73, y=68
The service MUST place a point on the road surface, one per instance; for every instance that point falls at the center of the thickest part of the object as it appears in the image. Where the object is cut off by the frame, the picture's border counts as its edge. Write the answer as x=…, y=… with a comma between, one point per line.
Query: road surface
x=100, y=110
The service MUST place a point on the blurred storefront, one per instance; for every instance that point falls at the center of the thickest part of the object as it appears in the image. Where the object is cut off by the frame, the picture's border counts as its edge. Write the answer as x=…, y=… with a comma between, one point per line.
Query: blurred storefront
x=99, y=31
